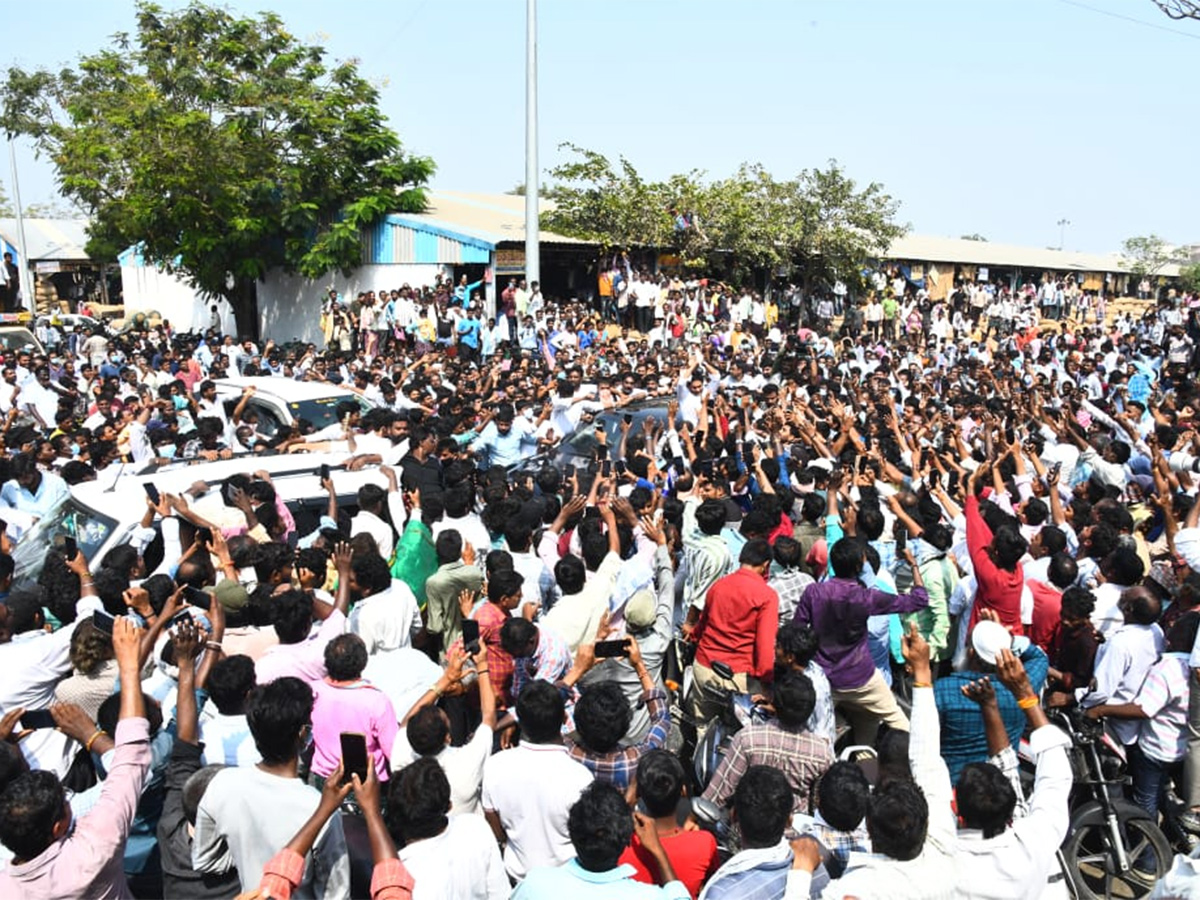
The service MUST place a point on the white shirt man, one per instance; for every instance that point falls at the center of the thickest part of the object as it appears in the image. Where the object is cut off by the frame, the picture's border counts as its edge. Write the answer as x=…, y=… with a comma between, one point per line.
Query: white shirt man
x=462, y=862
x=531, y=789
x=1122, y=664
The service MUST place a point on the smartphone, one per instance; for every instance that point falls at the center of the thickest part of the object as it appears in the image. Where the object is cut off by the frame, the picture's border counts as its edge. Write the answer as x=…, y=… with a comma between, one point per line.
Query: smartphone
x=706, y=468
x=103, y=621
x=37, y=718
x=606, y=468
x=901, y=539
x=324, y=472
x=606, y=649
x=197, y=597
x=628, y=418
x=470, y=632
x=568, y=472
x=354, y=754
x=69, y=547
x=152, y=493
x=204, y=536
x=179, y=618
x=1055, y=469
x=619, y=467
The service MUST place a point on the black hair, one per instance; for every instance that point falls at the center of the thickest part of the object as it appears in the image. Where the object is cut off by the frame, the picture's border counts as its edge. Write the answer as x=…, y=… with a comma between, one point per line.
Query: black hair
x=795, y=698
x=229, y=681
x=516, y=634
x=602, y=716
x=271, y=558
x=842, y=795
x=798, y=641
x=788, y=552
x=29, y=809
x=427, y=731
x=109, y=713
x=25, y=608
x=1062, y=571
x=986, y=798
x=277, y=712
x=1008, y=546
x=1053, y=539
x=540, y=709
x=600, y=827
x=710, y=517
x=123, y=559
x=292, y=616
x=313, y=559
x=898, y=819
x=763, y=804
x=1124, y=567
x=110, y=587
x=756, y=552
x=1078, y=603
x=504, y=583
x=870, y=521
x=371, y=497
x=371, y=573
x=345, y=657
x=570, y=574
x=1036, y=512
x=418, y=801
x=846, y=557
x=660, y=779
x=449, y=546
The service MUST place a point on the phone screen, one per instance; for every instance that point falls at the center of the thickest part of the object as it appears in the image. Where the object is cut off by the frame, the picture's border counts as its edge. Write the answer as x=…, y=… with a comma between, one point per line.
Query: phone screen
x=103, y=621
x=324, y=474
x=568, y=472
x=901, y=539
x=354, y=754
x=470, y=632
x=37, y=718
x=152, y=493
x=204, y=536
x=628, y=418
x=69, y=547
x=605, y=649
x=619, y=467
x=606, y=468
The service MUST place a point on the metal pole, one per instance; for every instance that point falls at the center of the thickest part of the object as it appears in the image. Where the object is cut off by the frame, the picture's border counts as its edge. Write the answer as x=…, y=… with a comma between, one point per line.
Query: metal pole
x=23, y=269
x=532, y=237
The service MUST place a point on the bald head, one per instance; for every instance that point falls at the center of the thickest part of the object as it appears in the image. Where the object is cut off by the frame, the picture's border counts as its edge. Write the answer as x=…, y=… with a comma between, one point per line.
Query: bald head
x=1140, y=606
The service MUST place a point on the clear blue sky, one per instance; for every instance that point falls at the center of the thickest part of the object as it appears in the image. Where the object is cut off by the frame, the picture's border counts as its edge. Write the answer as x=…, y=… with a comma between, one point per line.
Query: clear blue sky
x=992, y=116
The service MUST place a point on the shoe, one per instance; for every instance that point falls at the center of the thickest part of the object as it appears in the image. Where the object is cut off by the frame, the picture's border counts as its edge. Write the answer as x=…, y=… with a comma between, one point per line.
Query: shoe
x=1189, y=821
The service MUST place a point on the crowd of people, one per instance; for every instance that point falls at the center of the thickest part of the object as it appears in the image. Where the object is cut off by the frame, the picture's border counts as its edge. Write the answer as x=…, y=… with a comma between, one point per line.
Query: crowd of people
x=917, y=529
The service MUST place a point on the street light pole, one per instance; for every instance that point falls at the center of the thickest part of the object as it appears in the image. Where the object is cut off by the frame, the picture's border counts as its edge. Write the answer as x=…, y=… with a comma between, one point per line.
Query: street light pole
x=532, y=237
x=23, y=269
x=1062, y=231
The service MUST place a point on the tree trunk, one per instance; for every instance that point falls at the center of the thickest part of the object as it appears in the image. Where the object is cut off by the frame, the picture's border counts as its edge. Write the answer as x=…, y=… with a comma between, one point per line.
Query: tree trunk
x=243, y=297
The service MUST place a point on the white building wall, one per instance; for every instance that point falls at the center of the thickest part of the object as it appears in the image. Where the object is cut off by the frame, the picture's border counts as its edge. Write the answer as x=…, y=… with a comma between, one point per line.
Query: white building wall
x=289, y=306
x=148, y=289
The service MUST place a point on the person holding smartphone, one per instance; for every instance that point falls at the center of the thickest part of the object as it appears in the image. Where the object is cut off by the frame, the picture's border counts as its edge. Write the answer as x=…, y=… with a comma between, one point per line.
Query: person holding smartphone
x=55, y=855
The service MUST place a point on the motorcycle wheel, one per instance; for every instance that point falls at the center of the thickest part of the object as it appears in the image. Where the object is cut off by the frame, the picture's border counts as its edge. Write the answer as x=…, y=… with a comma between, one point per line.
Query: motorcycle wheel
x=1092, y=866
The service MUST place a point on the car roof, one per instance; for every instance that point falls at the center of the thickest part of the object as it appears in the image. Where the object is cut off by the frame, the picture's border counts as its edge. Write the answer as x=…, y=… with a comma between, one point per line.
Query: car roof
x=295, y=476
x=286, y=389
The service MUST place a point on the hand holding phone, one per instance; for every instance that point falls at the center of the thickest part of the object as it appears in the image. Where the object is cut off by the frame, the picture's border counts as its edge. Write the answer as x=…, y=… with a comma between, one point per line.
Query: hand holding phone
x=69, y=548
x=470, y=632
x=152, y=492
x=606, y=649
x=354, y=755
x=34, y=719
x=103, y=621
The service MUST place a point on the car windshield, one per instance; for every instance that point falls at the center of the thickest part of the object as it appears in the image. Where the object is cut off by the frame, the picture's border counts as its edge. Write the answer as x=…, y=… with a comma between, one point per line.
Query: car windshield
x=583, y=441
x=90, y=530
x=322, y=412
x=17, y=339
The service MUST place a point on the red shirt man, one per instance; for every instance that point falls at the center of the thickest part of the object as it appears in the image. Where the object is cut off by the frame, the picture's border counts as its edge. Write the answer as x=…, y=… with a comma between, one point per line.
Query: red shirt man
x=741, y=617
x=996, y=559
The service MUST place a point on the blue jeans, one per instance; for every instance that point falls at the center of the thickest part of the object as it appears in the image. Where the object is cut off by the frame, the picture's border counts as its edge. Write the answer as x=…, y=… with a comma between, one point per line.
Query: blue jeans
x=1150, y=779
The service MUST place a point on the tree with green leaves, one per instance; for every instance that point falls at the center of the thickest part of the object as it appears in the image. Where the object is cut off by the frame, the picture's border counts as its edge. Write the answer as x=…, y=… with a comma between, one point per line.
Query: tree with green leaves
x=222, y=146
x=734, y=226
x=1146, y=256
x=1189, y=277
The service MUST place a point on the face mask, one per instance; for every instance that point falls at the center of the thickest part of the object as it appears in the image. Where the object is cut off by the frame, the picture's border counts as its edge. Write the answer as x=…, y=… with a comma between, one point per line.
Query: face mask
x=74, y=449
x=528, y=414
x=180, y=402
x=167, y=451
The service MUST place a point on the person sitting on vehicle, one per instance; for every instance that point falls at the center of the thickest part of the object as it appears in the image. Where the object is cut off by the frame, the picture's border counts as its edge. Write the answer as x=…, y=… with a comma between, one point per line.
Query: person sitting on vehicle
x=994, y=859
x=1160, y=710
x=1073, y=650
x=783, y=742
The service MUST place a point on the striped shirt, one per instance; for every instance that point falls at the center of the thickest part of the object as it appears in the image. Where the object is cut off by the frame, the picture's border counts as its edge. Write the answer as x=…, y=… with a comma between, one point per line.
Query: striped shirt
x=800, y=755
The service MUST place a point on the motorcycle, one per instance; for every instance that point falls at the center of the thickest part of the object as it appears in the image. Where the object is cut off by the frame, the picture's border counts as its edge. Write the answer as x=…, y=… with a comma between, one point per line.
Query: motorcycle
x=736, y=710
x=1113, y=847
